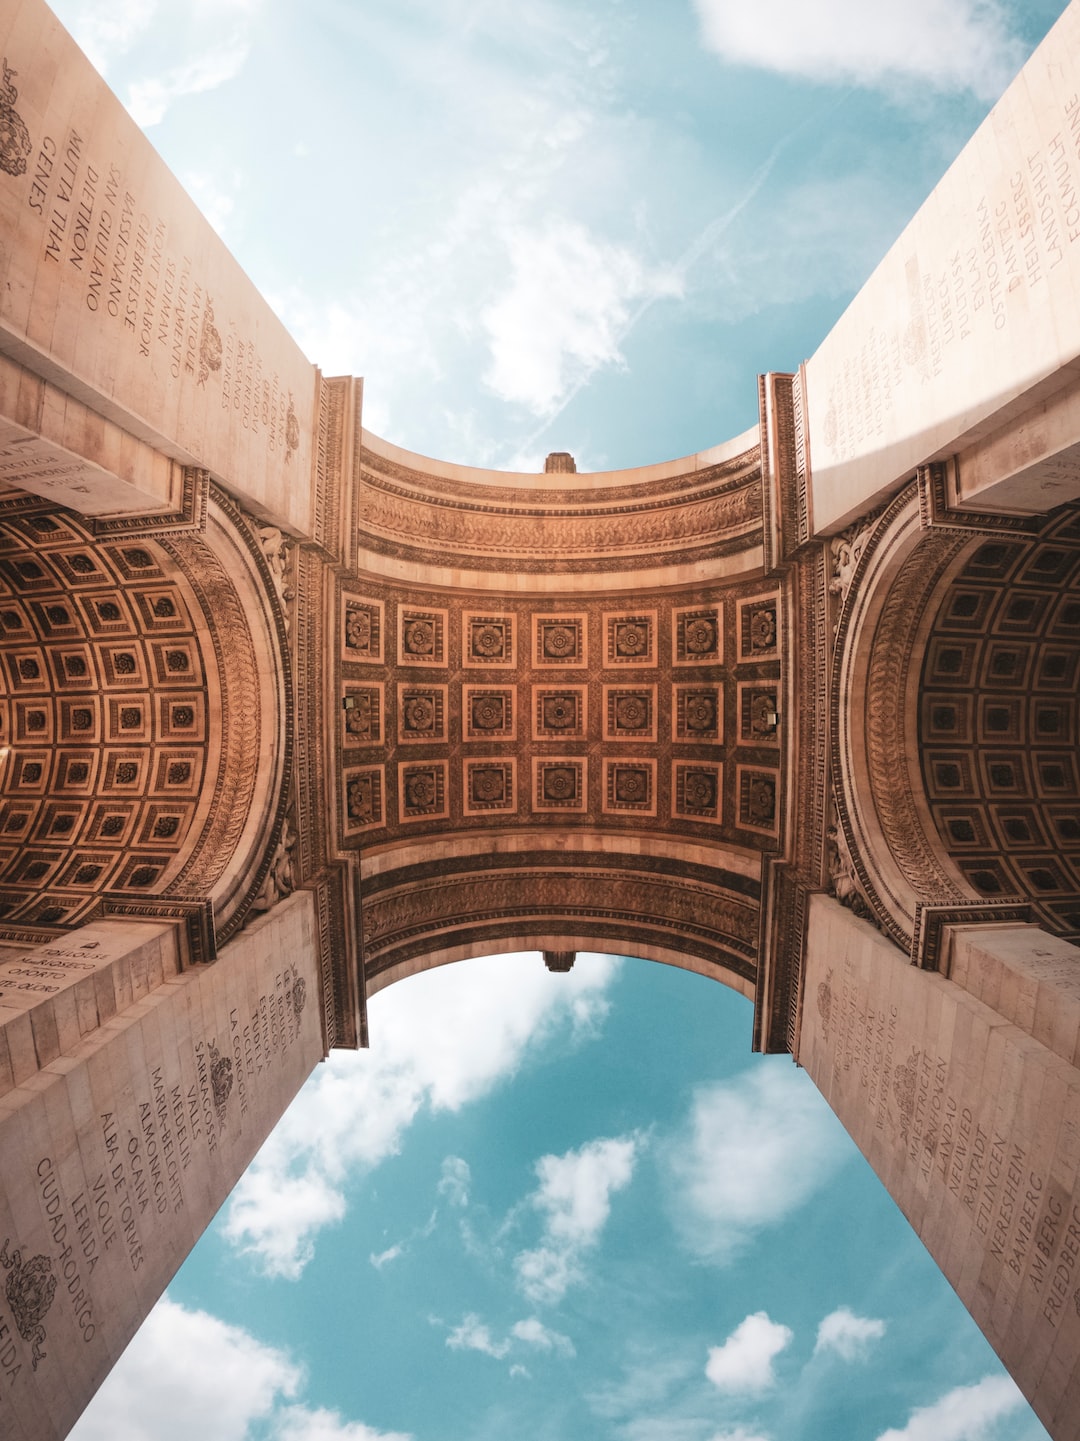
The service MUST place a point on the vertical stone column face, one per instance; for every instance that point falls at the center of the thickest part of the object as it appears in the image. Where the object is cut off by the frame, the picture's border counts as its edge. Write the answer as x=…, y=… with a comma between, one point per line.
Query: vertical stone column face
x=120, y=1144
x=970, y=1115
x=116, y=292
x=971, y=317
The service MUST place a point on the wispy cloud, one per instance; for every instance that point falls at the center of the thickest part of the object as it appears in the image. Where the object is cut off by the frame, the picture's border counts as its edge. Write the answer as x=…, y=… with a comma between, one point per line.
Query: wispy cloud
x=164, y=1390
x=473, y=1335
x=534, y=1333
x=948, y=44
x=754, y=1150
x=967, y=1413
x=574, y=1198
x=434, y=1047
x=149, y=99
x=745, y=1361
x=564, y=312
x=846, y=1334
x=455, y=1181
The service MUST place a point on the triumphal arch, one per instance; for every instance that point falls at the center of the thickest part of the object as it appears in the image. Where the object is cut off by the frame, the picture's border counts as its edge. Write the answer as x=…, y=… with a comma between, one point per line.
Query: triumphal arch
x=289, y=713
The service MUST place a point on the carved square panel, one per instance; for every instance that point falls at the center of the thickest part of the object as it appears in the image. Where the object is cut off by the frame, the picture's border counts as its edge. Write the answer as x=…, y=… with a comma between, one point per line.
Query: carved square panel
x=79, y=719
x=111, y=823
x=364, y=790
x=164, y=823
x=135, y=562
x=175, y=662
x=108, y=615
x=629, y=712
x=968, y=608
x=1058, y=668
x=1004, y=773
x=27, y=670
x=488, y=640
x=488, y=712
x=559, y=712
x=489, y=784
x=122, y=665
x=950, y=774
x=560, y=783
x=17, y=819
x=1018, y=828
x=995, y=559
x=1022, y=612
x=362, y=715
x=697, y=713
x=422, y=713
x=26, y=575
x=89, y=869
x=73, y=666
x=629, y=786
x=947, y=717
x=57, y=619
x=127, y=718
x=363, y=626
x=758, y=628
x=964, y=827
x=162, y=610
x=35, y=867
x=142, y=872
x=177, y=771
x=32, y=721
x=1052, y=721
x=758, y=706
x=81, y=568
x=31, y=771
x=757, y=799
x=181, y=717
x=696, y=790
x=1065, y=824
x=14, y=625
x=126, y=771
x=422, y=636
x=1000, y=719
x=630, y=639
x=1065, y=620
x=697, y=635
x=560, y=640
x=76, y=771
x=1055, y=774
x=950, y=663
x=423, y=792
x=1004, y=663
x=59, y=822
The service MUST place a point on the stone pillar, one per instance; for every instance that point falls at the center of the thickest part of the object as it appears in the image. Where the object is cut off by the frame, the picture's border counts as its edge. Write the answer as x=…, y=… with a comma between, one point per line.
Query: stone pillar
x=965, y=342
x=133, y=1094
x=963, y=1093
x=132, y=345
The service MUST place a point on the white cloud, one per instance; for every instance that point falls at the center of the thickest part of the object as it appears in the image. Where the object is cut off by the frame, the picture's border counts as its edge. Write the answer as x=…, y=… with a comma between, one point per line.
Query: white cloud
x=964, y=1414
x=215, y=202
x=473, y=1335
x=534, y=1333
x=163, y=1388
x=149, y=99
x=570, y=301
x=454, y=1181
x=744, y=1361
x=379, y=1259
x=439, y=1041
x=104, y=29
x=574, y=1197
x=297, y=1423
x=739, y=1434
x=948, y=44
x=847, y=1334
x=754, y=1150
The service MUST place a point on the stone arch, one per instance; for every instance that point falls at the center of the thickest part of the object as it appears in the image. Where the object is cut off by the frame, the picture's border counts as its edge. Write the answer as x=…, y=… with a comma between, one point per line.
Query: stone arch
x=145, y=721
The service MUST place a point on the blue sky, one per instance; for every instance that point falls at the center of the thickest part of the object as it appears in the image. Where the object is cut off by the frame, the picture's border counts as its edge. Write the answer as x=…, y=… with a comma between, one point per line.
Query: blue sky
x=559, y=1207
